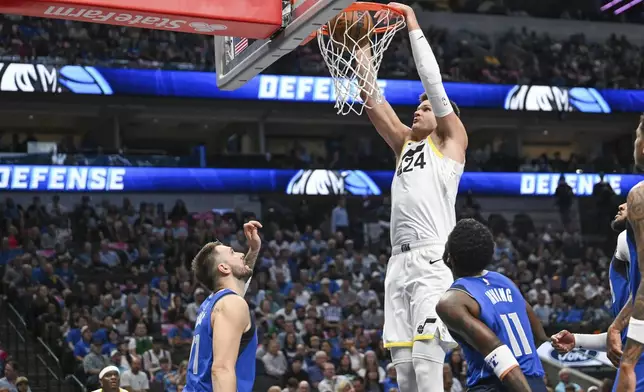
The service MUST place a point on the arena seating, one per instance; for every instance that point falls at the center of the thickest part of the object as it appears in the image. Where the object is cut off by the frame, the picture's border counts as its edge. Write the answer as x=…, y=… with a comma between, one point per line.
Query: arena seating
x=120, y=276
x=521, y=57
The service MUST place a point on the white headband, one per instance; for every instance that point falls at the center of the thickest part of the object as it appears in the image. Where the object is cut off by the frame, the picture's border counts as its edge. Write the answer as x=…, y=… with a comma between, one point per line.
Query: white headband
x=108, y=369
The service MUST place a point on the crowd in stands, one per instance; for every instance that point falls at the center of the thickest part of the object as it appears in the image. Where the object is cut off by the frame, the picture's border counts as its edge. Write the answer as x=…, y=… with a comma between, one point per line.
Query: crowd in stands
x=517, y=57
x=111, y=284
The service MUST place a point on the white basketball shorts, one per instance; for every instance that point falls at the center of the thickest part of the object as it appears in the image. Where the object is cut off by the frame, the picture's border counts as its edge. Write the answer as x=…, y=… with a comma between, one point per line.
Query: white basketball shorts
x=416, y=279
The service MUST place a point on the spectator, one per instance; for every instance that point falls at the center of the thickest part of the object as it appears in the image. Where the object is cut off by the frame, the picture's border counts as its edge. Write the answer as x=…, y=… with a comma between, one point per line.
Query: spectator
x=165, y=376
x=275, y=361
x=11, y=379
x=340, y=218
x=152, y=358
x=94, y=362
x=537, y=290
x=192, y=309
x=22, y=384
x=180, y=335
x=140, y=342
x=134, y=380
x=564, y=382
x=329, y=381
x=82, y=347
x=450, y=383
x=543, y=310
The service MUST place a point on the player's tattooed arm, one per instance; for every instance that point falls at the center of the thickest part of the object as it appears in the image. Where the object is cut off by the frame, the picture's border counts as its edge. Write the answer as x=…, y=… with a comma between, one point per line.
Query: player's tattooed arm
x=539, y=333
x=613, y=335
x=251, y=231
x=460, y=314
x=635, y=205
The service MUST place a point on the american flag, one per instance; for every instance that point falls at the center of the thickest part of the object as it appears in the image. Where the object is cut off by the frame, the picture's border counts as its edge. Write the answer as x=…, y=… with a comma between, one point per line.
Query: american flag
x=240, y=45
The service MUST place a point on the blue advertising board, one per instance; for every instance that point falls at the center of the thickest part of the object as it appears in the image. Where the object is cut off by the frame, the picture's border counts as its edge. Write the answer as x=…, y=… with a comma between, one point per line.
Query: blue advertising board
x=293, y=182
x=184, y=84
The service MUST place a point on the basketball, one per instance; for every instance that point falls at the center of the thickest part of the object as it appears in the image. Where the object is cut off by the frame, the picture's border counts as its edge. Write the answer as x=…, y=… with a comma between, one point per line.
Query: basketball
x=357, y=25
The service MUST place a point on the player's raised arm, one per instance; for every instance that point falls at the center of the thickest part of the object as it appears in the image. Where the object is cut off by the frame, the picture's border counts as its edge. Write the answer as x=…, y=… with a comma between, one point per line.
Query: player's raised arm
x=230, y=319
x=456, y=309
x=450, y=127
x=382, y=115
x=251, y=231
x=635, y=342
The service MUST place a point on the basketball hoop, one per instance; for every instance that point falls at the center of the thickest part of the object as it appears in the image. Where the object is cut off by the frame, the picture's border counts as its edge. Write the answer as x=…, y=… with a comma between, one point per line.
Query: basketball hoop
x=340, y=48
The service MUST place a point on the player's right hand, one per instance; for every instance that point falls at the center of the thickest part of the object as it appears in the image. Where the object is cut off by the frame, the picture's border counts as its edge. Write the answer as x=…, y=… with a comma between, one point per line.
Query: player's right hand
x=563, y=342
x=404, y=8
x=614, y=346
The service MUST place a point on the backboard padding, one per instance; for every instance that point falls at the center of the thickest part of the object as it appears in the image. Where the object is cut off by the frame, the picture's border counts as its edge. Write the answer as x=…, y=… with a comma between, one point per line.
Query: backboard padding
x=306, y=16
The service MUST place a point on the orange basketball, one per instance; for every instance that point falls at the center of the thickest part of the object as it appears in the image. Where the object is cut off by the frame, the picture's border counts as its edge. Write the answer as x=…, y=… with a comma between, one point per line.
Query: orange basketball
x=356, y=24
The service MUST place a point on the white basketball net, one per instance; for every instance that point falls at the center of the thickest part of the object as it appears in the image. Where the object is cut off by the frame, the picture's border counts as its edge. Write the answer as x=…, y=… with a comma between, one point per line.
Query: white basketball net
x=346, y=60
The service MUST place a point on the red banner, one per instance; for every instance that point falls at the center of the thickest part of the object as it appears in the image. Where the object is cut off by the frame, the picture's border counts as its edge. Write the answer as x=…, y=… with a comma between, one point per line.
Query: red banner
x=257, y=19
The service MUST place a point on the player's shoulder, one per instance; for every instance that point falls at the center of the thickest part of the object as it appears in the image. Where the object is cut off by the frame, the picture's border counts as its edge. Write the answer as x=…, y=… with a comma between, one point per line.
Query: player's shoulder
x=231, y=301
x=621, y=249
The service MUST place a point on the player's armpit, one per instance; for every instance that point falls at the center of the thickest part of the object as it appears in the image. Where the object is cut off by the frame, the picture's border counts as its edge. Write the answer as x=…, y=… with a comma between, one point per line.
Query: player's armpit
x=452, y=131
x=382, y=115
x=460, y=312
x=540, y=336
x=230, y=318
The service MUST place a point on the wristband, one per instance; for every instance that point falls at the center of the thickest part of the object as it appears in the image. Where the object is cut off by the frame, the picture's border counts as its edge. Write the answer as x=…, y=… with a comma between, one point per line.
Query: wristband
x=636, y=330
x=501, y=361
x=590, y=341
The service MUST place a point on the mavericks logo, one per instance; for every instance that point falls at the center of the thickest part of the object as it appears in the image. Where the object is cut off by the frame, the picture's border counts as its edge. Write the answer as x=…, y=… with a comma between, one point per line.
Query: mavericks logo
x=556, y=99
x=577, y=357
x=28, y=78
x=332, y=182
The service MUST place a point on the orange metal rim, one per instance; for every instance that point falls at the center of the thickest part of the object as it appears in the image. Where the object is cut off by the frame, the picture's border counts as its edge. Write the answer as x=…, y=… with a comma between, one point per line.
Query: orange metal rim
x=361, y=6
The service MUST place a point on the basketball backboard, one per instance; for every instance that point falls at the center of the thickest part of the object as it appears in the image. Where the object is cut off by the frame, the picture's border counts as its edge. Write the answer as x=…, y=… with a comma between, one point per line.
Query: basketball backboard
x=238, y=59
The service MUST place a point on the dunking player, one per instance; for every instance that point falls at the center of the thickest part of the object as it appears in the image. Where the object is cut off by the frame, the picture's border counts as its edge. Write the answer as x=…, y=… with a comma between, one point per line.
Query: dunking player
x=631, y=369
x=488, y=316
x=222, y=356
x=431, y=155
x=621, y=307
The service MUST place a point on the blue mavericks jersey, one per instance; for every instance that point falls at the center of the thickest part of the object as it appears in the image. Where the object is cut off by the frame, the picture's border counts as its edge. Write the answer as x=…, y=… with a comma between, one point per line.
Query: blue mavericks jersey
x=503, y=310
x=634, y=268
x=198, y=377
x=618, y=273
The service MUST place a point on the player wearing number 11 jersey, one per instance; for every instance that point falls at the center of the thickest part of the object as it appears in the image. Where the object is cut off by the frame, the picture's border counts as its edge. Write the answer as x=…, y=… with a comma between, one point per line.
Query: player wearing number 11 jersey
x=488, y=317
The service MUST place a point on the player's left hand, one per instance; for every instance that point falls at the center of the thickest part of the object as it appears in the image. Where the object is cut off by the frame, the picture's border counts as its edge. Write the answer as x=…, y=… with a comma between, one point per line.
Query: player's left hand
x=626, y=379
x=563, y=341
x=252, y=234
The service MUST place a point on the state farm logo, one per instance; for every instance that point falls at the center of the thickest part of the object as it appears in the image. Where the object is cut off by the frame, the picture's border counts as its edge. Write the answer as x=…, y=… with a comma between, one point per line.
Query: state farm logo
x=202, y=27
x=145, y=21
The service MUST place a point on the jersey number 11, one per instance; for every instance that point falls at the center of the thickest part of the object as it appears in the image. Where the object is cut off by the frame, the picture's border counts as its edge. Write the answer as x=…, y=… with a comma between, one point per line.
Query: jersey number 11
x=512, y=319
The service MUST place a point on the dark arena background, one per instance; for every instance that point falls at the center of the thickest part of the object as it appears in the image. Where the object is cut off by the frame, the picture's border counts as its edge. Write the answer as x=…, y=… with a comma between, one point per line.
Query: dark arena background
x=120, y=158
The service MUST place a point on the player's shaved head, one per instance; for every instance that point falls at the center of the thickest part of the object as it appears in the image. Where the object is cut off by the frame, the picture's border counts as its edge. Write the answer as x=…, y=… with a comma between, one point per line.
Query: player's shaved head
x=469, y=249
x=204, y=265
x=424, y=97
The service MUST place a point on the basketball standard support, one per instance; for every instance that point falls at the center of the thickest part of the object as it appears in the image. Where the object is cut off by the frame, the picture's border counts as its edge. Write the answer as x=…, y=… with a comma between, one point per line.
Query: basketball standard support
x=258, y=19
x=235, y=69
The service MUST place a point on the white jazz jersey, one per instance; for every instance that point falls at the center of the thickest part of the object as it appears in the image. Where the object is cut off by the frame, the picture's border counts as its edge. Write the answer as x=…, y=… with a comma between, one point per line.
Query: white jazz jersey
x=423, y=194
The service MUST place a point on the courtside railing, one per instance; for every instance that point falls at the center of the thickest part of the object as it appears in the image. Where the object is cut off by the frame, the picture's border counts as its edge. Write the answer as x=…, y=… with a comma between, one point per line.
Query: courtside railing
x=38, y=361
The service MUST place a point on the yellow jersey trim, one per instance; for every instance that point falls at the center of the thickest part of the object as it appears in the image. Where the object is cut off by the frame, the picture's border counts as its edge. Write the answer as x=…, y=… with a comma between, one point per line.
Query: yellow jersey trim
x=433, y=146
x=399, y=344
